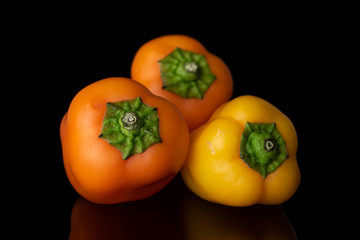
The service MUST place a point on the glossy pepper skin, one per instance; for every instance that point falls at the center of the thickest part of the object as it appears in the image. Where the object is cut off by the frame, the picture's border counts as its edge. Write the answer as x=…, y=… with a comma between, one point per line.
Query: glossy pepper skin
x=161, y=64
x=214, y=169
x=95, y=166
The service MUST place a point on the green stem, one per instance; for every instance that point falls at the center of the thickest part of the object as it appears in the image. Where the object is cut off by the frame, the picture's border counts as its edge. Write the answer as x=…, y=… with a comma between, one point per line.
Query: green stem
x=191, y=67
x=130, y=126
x=130, y=121
x=262, y=147
x=186, y=73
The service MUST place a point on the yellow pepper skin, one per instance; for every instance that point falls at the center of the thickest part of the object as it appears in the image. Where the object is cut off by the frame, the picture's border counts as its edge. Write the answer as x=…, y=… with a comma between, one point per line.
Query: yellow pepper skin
x=214, y=169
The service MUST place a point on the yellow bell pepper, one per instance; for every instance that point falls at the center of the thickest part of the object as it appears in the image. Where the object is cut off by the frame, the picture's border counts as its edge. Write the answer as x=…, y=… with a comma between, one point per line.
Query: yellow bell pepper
x=245, y=154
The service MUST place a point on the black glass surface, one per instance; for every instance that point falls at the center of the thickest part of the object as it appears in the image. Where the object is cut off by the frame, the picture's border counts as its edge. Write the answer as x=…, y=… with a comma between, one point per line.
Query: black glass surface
x=176, y=213
x=282, y=62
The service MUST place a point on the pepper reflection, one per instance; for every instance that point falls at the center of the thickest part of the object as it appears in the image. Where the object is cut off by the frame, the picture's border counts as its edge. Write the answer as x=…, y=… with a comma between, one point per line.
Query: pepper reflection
x=177, y=216
x=134, y=220
x=200, y=219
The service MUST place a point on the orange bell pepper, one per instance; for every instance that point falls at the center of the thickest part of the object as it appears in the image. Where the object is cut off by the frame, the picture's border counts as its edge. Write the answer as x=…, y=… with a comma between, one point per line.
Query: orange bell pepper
x=120, y=142
x=180, y=69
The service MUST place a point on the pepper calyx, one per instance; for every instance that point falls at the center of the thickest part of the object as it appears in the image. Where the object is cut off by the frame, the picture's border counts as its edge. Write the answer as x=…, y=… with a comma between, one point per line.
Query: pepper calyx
x=130, y=126
x=262, y=147
x=186, y=73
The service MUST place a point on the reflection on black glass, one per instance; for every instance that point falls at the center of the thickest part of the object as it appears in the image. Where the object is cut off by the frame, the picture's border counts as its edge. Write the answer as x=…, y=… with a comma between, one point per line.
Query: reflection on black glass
x=200, y=219
x=181, y=216
x=135, y=220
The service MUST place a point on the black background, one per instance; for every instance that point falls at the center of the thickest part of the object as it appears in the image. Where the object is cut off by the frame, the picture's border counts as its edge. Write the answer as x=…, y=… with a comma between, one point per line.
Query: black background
x=286, y=59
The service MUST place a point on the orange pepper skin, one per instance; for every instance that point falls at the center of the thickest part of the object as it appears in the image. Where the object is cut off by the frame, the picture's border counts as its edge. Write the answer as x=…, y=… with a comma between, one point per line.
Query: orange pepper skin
x=96, y=169
x=145, y=69
x=214, y=169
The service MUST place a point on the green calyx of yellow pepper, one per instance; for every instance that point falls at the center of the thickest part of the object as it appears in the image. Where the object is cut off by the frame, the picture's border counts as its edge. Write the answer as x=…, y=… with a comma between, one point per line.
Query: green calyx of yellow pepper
x=262, y=147
x=130, y=126
x=186, y=73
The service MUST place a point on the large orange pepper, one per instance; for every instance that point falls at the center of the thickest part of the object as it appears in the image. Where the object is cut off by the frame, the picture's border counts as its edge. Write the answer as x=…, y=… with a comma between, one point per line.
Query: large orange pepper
x=245, y=154
x=120, y=142
x=180, y=69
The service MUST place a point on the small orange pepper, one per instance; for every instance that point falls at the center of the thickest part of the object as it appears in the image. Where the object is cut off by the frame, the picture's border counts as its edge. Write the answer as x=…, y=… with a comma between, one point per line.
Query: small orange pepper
x=180, y=69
